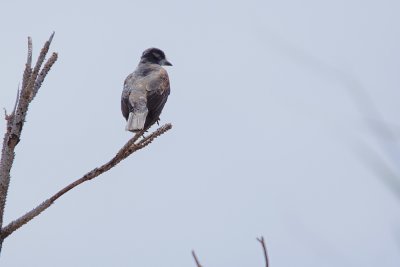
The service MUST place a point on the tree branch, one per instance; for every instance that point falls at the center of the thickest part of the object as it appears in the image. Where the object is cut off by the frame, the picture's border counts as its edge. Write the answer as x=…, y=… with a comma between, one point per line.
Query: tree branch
x=42, y=75
x=28, y=65
x=196, y=259
x=16, y=119
x=262, y=241
x=129, y=148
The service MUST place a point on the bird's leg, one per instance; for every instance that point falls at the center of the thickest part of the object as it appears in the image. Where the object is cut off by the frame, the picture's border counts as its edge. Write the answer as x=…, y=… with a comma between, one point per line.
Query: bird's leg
x=144, y=131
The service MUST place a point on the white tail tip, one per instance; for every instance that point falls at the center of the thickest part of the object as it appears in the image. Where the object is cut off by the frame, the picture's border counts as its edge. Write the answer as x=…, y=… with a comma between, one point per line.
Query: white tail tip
x=136, y=121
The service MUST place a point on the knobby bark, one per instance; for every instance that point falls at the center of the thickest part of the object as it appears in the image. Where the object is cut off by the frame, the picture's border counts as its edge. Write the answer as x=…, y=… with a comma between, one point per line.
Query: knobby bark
x=31, y=82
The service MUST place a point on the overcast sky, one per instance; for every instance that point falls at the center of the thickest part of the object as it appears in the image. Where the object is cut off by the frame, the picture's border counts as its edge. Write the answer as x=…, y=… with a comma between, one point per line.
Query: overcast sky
x=268, y=139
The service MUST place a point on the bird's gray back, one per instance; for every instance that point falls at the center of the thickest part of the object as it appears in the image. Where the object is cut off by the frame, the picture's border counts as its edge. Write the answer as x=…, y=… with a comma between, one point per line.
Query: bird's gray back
x=144, y=78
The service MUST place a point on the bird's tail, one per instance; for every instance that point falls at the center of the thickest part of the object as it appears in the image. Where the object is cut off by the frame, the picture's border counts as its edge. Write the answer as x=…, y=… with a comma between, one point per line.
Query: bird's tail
x=136, y=121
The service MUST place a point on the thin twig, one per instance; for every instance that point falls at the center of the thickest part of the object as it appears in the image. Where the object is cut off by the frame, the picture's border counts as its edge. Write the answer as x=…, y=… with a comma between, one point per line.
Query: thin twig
x=264, y=247
x=29, y=56
x=6, y=116
x=42, y=75
x=28, y=66
x=28, y=91
x=16, y=101
x=129, y=148
x=196, y=259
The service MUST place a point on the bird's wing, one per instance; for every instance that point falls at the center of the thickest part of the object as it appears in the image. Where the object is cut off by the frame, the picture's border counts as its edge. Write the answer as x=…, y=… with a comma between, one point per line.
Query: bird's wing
x=125, y=102
x=158, y=90
x=134, y=95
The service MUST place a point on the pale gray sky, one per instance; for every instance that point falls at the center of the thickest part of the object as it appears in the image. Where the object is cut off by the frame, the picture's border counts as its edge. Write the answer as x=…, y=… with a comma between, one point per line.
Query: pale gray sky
x=266, y=138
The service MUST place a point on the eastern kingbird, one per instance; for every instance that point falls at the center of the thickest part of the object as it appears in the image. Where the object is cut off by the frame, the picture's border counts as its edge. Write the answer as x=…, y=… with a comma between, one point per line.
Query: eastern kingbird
x=145, y=91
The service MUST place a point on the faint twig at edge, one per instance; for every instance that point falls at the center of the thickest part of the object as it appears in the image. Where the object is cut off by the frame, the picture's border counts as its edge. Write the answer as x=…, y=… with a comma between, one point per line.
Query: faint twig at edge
x=196, y=259
x=264, y=247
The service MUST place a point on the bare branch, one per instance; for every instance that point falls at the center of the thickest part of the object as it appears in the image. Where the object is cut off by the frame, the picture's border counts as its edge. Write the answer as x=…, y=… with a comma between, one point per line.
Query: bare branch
x=28, y=65
x=29, y=57
x=14, y=225
x=15, y=122
x=129, y=148
x=262, y=241
x=27, y=92
x=51, y=37
x=43, y=54
x=196, y=259
x=38, y=83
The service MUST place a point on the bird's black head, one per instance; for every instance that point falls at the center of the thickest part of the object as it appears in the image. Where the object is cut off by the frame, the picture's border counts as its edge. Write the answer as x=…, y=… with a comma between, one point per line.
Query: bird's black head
x=156, y=56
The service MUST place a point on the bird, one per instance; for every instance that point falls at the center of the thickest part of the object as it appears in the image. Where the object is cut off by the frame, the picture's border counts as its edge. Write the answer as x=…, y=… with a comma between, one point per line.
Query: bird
x=145, y=91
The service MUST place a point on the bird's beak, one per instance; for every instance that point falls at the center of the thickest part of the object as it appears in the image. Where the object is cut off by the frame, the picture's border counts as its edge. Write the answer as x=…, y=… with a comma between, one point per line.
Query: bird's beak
x=165, y=62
